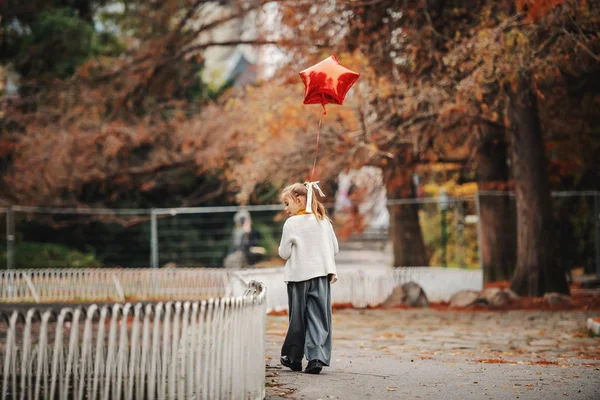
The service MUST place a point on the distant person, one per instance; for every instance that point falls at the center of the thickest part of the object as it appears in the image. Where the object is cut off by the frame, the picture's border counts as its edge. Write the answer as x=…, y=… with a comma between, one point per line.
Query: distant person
x=309, y=245
x=244, y=250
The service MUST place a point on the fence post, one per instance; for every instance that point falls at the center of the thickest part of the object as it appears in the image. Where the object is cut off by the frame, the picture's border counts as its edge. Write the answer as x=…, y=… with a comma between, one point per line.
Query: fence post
x=460, y=233
x=10, y=238
x=153, y=240
x=597, y=236
x=479, y=239
x=443, y=227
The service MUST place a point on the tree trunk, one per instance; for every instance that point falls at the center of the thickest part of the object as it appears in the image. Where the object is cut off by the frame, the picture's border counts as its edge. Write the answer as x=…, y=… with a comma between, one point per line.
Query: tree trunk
x=537, y=271
x=407, y=238
x=496, y=212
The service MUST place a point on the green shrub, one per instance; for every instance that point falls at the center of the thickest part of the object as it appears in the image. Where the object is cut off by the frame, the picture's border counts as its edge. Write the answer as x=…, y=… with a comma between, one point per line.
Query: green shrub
x=269, y=236
x=47, y=255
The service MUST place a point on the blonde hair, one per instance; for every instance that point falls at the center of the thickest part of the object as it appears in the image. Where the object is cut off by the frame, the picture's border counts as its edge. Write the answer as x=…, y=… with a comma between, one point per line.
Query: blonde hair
x=298, y=190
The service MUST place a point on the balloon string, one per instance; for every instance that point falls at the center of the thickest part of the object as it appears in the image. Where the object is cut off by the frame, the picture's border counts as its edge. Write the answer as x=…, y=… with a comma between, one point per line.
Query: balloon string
x=317, y=149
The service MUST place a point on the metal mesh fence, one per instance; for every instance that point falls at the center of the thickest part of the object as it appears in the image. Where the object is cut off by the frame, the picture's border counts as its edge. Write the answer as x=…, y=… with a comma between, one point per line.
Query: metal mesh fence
x=578, y=219
x=204, y=237
x=577, y=225
x=3, y=237
x=80, y=238
x=498, y=246
x=469, y=232
x=431, y=232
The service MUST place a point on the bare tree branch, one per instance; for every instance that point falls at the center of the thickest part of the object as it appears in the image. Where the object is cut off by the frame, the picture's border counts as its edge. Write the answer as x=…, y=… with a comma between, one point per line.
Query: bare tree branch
x=583, y=46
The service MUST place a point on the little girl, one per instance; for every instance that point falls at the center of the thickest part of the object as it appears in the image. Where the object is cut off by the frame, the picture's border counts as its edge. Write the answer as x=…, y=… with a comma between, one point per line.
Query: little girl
x=309, y=245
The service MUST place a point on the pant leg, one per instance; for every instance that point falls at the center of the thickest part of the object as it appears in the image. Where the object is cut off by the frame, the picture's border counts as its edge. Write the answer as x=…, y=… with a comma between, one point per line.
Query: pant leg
x=318, y=320
x=293, y=346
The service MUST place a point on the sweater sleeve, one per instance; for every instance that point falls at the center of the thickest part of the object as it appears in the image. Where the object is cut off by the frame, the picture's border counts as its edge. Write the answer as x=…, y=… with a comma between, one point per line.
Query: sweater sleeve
x=285, y=247
x=336, y=246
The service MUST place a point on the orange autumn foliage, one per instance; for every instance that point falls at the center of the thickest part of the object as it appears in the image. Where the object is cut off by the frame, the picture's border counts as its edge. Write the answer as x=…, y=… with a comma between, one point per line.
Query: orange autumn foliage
x=535, y=9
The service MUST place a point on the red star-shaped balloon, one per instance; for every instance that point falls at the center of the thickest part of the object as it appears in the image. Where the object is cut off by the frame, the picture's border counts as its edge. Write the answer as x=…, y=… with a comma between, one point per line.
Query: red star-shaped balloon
x=327, y=82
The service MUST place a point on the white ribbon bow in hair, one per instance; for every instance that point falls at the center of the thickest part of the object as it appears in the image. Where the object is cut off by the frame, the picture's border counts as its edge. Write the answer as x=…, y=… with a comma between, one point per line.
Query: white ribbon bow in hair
x=309, y=196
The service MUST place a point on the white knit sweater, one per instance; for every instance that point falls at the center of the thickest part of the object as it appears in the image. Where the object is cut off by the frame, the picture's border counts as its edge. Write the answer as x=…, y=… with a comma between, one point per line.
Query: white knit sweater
x=309, y=246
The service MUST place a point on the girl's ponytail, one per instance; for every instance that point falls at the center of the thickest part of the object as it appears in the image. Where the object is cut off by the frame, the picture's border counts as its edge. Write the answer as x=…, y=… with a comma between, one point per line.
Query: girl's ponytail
x=317, y=207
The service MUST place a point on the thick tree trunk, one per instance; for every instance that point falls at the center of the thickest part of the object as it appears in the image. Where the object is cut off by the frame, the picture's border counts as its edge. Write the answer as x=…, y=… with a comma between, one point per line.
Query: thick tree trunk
x=407, y=238
x=497, y=219
x=538, y=270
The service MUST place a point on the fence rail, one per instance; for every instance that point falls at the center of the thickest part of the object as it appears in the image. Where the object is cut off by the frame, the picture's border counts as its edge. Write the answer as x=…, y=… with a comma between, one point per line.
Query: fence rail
x=182, y=350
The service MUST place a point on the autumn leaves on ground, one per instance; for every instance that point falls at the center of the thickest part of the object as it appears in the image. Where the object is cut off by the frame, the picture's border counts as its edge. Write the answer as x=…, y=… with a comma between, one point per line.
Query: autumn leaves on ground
x=527, y=348
x=444, y=353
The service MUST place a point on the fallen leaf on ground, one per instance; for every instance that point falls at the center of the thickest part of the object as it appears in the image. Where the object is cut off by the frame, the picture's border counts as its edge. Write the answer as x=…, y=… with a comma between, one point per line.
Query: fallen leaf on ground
x=493, y=361
x=543, y=362
x=391, y=335
x=284, y=392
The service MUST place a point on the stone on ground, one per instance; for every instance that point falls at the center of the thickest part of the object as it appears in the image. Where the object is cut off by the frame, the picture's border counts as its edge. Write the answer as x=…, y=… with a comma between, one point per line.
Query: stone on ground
x=464, y=298
x=556, y=298
x=410, y=294
x=495, y=297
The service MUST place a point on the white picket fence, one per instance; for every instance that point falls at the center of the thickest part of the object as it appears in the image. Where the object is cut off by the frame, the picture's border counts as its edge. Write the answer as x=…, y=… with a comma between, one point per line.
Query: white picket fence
x=112, y=284
x=176, y=350
x=360, y=285
x=370, y=286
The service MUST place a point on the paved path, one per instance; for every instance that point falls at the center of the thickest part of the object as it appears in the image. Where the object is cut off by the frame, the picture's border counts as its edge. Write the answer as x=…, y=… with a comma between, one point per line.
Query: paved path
x=429, y=354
